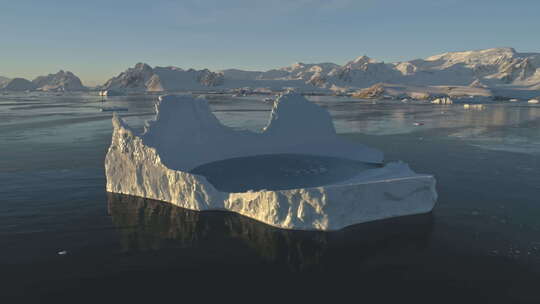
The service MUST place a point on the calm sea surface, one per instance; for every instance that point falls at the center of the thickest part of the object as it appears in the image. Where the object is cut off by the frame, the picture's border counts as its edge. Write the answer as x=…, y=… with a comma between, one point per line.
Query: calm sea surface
x=481, y=244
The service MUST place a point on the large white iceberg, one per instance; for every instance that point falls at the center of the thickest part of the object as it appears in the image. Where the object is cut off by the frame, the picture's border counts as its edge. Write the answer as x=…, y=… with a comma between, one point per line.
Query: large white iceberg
x=161, y=163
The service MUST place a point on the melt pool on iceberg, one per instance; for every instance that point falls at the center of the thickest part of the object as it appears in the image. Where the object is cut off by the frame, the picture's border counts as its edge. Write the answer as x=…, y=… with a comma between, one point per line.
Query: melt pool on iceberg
x=295, y=174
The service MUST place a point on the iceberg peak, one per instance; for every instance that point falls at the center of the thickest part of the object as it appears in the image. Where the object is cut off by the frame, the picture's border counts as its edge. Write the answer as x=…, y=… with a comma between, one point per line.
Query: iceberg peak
x=293, y=114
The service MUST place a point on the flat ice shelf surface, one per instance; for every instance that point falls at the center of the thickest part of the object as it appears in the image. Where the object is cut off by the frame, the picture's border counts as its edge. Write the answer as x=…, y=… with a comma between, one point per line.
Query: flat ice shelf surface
x=279, y=172
x=295, y=174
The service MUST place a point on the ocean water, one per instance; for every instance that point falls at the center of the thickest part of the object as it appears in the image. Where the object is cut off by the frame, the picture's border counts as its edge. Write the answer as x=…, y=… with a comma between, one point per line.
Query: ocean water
x=480, y=244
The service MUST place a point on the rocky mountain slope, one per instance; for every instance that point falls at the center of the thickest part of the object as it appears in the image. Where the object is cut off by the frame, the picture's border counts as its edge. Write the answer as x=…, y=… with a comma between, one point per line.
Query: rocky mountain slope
x=61, y=81
x=17, y=84
x=142, y=77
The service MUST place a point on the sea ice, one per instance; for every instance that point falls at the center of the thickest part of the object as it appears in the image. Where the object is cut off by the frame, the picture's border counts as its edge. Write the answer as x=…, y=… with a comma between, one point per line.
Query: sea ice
x=442, y=100
x=111, y=93
x=159, y=164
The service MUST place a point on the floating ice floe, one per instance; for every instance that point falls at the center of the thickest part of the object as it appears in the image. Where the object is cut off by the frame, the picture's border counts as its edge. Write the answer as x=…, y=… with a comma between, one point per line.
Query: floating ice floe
x=188, y=158
x=113, y=109
x=473, y=106
x=111, y=93
x=442, y=100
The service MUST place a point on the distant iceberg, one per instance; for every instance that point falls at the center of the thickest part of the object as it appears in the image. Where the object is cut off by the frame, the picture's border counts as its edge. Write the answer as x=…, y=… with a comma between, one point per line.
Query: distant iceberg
x=442, y=100
x=111, y=93
x=188, y=158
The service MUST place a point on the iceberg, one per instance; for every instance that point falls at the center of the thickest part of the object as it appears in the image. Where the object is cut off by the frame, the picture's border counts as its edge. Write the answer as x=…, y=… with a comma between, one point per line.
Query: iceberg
x=295, y=174
x=111, y=93
x=442, y=100
x=473, y=106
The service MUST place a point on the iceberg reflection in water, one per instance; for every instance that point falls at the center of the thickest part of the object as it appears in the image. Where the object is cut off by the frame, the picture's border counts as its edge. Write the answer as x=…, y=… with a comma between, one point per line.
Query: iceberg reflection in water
x=147, y=224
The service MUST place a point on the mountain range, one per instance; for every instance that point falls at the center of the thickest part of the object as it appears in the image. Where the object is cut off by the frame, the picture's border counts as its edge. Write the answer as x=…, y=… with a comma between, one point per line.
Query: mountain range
x=489, y=68
x=142, y=77
x=483, y=70
x=61, y=81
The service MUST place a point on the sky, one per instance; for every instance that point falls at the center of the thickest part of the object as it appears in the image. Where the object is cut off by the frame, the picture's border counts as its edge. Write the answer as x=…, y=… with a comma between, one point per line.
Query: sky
x=99, y=39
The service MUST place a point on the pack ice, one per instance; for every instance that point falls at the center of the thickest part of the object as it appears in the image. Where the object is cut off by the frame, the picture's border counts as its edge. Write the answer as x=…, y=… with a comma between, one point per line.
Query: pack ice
x=166, y=162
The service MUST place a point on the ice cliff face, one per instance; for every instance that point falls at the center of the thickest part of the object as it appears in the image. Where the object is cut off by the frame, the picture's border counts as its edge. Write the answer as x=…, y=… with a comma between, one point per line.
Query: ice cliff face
x=144, y=78
x=185, y=134
x=61, y=81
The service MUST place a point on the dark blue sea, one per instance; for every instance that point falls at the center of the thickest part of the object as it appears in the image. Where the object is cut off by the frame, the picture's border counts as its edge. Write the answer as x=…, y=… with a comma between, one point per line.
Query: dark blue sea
x=64, y=239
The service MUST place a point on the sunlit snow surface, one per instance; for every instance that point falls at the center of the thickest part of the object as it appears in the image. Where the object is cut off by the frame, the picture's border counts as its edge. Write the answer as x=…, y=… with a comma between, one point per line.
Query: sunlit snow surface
x=484, y=228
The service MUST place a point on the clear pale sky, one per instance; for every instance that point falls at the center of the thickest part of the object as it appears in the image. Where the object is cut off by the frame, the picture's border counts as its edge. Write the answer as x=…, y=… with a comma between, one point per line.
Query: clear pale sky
x=98, y=39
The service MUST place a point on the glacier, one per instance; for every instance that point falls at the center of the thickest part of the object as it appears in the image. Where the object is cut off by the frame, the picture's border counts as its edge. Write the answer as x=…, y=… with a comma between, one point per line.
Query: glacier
x=159, y=163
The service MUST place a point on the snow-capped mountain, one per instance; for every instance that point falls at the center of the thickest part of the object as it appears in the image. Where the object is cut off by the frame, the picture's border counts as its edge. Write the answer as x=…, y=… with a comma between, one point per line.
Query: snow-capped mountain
x=17, y=84
x=481, y=69
x=313, y=74
x=297, y=71
x=363, y=72
x=490, y=67
x=497, y=66
x=61, y=81
x=310, y=73
x=142, y=77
